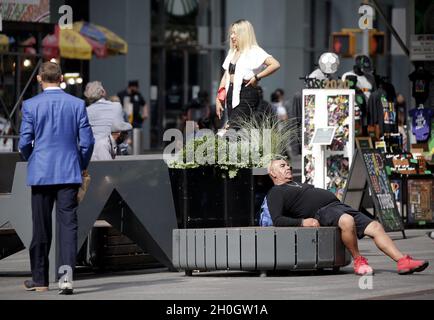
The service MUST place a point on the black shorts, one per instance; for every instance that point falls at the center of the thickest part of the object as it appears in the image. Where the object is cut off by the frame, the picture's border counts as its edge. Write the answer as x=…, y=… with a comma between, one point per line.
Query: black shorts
x=329, y=217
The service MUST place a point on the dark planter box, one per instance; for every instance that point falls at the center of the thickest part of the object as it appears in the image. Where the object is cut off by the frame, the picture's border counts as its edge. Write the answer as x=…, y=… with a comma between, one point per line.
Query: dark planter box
x=207, y=198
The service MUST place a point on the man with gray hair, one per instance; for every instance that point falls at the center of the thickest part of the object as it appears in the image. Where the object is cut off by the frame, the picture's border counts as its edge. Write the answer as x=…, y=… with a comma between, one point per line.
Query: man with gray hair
x=301, y=205
x=102, y=113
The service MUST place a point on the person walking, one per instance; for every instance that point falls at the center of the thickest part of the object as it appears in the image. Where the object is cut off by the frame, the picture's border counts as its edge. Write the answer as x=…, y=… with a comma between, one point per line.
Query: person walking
x=136, y=111
x=134, y=104
x=102, y=113
x=245, y=65
x=57, y=141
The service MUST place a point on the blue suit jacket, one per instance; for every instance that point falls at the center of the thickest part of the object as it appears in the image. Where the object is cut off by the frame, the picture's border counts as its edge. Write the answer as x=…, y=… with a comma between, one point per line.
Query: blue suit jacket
x=55, y=138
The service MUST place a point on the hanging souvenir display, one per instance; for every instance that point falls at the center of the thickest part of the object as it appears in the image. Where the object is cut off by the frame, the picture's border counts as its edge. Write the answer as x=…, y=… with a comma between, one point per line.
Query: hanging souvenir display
x=328, y=108
x=337, y=173
x=338, y=112
x=309, y=124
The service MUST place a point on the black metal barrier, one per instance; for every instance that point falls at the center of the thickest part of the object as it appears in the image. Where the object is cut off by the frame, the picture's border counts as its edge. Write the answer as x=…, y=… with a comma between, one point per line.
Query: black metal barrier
x=133, y=194
x=8, y=162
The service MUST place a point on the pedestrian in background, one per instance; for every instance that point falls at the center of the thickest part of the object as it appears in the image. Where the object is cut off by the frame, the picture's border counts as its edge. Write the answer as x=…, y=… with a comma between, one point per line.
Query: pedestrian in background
x=102, y=113
x=278, y=105
x=134, y=104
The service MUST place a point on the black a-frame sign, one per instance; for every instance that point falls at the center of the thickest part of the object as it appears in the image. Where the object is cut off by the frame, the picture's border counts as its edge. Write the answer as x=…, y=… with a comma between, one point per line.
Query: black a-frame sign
x=368, y=178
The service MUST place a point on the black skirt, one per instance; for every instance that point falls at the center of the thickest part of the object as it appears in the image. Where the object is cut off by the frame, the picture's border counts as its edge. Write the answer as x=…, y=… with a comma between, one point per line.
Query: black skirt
x=249, y=101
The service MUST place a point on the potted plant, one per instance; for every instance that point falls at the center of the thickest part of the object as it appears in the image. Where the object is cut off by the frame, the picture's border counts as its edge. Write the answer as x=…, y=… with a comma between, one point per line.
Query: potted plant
x=220, y=180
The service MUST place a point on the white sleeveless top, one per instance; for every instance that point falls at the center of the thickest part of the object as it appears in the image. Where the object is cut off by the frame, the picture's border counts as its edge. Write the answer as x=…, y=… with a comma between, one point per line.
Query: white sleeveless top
x=251, y=62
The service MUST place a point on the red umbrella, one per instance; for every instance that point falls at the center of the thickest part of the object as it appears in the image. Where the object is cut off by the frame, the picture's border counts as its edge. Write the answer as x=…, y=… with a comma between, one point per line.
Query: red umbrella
x=50, y=46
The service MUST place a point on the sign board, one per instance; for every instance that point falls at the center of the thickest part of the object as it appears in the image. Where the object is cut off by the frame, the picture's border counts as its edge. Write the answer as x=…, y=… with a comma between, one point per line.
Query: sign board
x=422, y=47
x=324, y=136
x=420, y=204
x=369, y=170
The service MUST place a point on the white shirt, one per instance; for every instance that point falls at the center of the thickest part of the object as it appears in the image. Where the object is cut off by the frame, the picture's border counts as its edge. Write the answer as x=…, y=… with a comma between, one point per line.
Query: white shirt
x=362, y=83
x=280, y=109
x=251, y=62
x=318, y=74
x=52, y=88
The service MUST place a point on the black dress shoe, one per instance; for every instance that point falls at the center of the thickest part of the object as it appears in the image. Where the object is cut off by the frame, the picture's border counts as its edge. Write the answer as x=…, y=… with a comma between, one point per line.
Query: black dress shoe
x=66, y=288
x=29, y=285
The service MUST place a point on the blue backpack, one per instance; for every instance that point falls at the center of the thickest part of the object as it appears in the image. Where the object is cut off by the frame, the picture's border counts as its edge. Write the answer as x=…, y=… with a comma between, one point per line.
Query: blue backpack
x=265, y=217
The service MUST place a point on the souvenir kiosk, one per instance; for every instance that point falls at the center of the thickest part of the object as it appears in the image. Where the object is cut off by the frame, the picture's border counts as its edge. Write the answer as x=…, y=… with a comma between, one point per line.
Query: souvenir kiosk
x=328, y=108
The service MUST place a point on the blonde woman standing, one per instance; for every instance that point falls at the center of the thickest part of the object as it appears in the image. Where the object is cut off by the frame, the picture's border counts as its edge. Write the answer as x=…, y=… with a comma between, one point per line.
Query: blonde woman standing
x=245, y=65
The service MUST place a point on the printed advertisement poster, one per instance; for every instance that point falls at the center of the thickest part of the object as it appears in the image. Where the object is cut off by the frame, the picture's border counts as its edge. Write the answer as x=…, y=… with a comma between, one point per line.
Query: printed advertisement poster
x=396, y=185
x=25, y=10
x=420, y=206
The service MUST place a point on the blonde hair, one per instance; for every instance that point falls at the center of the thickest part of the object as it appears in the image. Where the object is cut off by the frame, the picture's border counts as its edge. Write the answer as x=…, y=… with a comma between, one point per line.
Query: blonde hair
x=246, y=37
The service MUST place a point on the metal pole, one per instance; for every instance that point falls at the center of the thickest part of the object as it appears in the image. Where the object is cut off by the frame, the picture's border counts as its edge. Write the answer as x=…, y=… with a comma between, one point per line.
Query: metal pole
x=162, y=73
x=137, y=141
x=7, y=115
x=365, y=47
x=25, y=88
x=186, y=77
x=391, y=28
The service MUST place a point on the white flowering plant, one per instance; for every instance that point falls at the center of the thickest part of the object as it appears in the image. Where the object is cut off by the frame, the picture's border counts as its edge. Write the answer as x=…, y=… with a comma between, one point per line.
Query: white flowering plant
x=253, y=146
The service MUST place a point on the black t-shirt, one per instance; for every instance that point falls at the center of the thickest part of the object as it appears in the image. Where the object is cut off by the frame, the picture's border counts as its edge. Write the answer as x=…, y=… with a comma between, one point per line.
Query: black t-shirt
x=290, y=203
x=138, y=102
x=382, y=112
x=421, y=80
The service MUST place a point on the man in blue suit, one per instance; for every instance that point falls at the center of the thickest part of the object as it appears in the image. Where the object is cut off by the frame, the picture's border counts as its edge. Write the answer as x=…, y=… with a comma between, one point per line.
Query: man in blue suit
x=57, y=141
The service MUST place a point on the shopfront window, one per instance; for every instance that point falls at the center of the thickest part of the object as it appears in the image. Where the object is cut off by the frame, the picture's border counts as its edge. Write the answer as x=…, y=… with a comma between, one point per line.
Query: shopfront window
x=184, y=47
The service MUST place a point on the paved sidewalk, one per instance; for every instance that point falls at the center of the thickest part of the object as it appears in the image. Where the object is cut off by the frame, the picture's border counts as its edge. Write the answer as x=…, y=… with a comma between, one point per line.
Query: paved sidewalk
x=163, y=285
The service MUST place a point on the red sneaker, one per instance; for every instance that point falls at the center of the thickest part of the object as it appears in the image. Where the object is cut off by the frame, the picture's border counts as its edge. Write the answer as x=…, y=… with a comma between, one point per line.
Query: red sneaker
x=408, y=265
x=361, y=267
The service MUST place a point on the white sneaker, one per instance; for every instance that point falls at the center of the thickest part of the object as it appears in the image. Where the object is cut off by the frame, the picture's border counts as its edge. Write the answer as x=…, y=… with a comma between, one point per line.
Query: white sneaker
x=66, y=288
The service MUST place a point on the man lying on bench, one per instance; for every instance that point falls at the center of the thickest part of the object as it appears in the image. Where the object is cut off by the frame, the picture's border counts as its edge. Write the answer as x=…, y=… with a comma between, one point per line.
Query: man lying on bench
x=293, y=204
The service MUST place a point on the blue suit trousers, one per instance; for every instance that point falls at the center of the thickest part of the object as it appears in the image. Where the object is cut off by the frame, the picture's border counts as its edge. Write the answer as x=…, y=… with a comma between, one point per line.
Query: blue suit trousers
x=43, y=200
